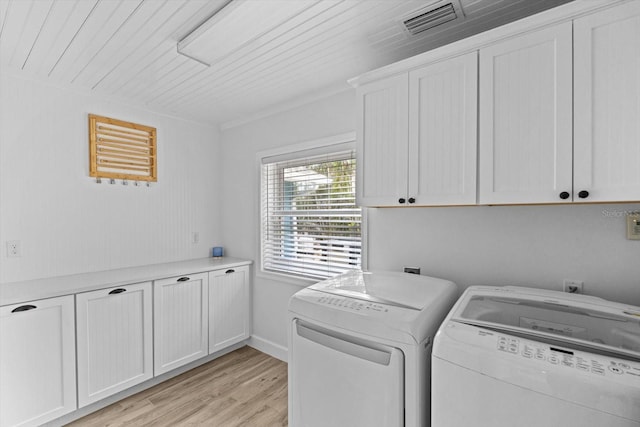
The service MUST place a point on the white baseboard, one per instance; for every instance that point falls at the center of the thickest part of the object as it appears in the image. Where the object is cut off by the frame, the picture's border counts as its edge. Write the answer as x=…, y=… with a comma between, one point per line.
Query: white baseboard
x=272, y=349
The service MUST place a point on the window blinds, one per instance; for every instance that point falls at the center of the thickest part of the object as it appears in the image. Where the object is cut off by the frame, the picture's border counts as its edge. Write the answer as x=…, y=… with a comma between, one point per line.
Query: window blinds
x=311, y=226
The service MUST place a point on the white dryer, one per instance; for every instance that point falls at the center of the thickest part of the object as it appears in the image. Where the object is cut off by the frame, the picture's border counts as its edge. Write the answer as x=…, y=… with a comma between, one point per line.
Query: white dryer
x=360, y=349
x=520, y=357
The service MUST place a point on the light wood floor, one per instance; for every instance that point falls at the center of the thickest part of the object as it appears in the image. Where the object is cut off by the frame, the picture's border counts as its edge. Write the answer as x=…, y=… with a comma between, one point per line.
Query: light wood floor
x=242, y=388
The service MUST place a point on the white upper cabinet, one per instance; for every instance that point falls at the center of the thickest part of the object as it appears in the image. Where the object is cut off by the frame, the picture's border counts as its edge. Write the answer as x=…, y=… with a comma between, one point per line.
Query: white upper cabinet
x=548, y=109
x=115, y=340
x=382, y=142
x=443, y=108
x=417, y=136
x=607, y=104
x=526, y=118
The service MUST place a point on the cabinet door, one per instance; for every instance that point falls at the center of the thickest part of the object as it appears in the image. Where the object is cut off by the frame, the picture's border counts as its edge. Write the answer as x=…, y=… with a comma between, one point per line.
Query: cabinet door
x=180, y=321
x=607, y=104
x=228, y=307
x=382, y=141
x=115, y=349
x=443, y=106
x=526, y=118
x=37, y=361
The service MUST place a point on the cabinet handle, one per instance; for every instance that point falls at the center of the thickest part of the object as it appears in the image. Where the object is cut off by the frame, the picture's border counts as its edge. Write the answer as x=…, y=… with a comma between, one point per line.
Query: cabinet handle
x=564, y=195
x=117, y=291
x=583, y=194
x=229, y=271
x=183, y=279
x=401, y=200
x=23, y=308
x=412, y=200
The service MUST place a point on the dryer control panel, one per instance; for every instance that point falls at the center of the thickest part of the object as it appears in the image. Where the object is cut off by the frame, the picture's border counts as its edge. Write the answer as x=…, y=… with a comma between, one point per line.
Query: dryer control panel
x=351, y=304
x=325, y=307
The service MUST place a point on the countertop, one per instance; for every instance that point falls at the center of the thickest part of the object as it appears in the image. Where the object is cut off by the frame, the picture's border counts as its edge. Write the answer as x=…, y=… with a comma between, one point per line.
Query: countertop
x=30, y=290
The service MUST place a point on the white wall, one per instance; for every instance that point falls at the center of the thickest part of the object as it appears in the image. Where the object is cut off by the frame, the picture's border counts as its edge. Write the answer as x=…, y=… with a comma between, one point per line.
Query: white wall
x=523, y=245
x=67, y=223
x=536, y=246
x=240, y=200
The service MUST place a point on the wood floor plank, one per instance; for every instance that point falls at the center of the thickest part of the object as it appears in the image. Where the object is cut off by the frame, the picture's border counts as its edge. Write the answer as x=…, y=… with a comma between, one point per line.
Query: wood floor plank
x=243, y=388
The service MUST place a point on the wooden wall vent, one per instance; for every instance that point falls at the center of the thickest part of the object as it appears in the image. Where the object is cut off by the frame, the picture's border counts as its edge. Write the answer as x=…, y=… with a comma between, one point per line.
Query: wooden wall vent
x=122, y=150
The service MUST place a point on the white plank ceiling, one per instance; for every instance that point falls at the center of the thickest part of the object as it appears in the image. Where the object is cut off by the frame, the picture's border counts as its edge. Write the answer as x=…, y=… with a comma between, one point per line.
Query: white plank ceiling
x=127, y=49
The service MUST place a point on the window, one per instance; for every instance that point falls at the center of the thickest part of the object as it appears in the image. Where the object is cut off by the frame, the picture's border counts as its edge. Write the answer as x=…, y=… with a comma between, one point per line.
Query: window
x=311, y=226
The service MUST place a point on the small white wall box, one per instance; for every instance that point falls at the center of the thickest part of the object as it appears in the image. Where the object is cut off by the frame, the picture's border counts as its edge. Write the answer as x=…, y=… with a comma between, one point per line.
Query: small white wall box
x=633, y=226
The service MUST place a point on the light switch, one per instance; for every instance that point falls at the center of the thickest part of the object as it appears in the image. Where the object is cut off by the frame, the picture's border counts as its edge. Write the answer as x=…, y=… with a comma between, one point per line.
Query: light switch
x=633, y=226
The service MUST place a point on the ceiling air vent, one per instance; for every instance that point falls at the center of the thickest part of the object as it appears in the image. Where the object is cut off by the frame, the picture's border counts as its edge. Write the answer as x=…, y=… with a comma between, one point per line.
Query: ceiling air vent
x=430, y=19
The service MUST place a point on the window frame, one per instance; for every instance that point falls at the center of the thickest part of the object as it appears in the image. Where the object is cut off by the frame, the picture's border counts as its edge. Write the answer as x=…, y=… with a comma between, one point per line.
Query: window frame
x=332, y=144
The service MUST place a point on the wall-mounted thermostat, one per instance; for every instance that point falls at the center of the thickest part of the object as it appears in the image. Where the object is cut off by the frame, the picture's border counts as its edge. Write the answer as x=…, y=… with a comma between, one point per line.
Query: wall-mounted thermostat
x=633, y=226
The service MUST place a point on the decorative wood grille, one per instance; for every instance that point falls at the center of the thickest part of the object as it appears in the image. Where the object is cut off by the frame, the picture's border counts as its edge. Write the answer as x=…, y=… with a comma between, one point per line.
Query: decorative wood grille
x=121, y=150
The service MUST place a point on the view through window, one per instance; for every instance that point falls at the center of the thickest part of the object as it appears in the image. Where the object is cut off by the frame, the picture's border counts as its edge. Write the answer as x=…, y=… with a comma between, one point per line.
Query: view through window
x=311, y=226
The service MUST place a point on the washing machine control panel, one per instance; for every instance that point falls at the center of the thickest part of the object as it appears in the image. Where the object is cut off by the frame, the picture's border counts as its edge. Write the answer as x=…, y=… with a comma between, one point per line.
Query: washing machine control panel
x=570, y=359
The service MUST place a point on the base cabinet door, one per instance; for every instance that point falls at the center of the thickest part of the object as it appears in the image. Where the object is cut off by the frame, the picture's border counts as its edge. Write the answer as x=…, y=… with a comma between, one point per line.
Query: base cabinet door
x=180, y=321
x=229, y=307
x=115, y=349
x=37, y=361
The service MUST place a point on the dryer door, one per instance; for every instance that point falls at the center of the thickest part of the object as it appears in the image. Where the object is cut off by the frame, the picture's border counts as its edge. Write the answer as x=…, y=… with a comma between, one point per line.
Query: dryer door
x=337, y=380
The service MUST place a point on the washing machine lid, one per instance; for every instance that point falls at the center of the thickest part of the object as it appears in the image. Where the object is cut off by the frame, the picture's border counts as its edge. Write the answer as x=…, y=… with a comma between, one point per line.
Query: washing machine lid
x=401, y=290
x=582, y=320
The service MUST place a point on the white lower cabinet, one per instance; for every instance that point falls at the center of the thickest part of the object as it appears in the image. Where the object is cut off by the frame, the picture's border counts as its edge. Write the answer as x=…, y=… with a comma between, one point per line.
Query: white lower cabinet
x=114, y=339
x=37, y=361
x=229, y=307
x=180, y=321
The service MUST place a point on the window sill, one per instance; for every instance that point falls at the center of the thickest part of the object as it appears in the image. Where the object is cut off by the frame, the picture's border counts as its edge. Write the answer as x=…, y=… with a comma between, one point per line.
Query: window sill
x=286, y=278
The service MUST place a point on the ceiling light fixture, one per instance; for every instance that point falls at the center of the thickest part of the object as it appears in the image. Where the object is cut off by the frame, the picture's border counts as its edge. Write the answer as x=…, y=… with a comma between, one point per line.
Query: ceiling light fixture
x=236, y=24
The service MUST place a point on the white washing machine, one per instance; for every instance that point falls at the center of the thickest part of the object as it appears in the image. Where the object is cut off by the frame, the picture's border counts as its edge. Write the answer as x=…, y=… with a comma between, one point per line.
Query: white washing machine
x=360, y=349
x=520, y=357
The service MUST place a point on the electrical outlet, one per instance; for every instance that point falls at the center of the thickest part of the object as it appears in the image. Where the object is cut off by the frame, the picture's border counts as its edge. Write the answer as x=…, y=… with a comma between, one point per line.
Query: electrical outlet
x=633, y=226
x=13, y=248
x=573, y=286
x=195, y=237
